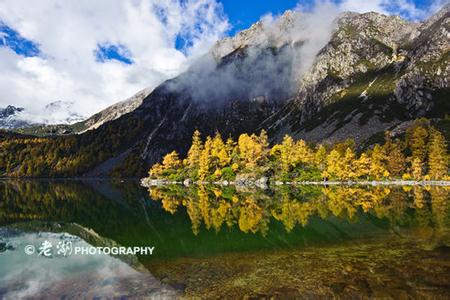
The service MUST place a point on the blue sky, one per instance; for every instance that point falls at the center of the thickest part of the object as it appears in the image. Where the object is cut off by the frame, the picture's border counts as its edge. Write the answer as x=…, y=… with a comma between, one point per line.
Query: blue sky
x=240, y=14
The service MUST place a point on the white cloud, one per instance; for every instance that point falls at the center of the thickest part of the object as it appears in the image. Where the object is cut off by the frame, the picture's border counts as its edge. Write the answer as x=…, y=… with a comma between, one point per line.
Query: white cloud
x=405, y=8
x=69, y=32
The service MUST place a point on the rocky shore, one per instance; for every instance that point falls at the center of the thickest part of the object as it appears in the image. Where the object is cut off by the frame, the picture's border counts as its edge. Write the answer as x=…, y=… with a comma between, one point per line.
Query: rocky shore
x=264, y=182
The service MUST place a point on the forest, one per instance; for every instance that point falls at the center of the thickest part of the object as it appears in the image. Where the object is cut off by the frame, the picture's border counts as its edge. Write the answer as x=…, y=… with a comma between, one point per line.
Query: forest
x=71, y=155
x=420, y=154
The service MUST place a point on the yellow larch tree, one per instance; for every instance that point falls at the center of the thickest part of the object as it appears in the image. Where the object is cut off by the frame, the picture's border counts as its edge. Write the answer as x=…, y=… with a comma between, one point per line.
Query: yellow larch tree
x=219, y=151
x=333, y=164
x=395, y=160
x=263, y=141
x=378, y=163
x=363, y=166
x=416, y=168
x=205, y=160
x=348, y=167
x=193, y=156
x=320, y=157
x=302, y=153
x=437, y=156
x=171, y=161
x=250, y=150
x=417, y=141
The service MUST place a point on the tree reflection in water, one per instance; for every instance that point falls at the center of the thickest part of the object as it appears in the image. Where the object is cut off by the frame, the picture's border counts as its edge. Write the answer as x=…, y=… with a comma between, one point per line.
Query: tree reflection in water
x=252, y=210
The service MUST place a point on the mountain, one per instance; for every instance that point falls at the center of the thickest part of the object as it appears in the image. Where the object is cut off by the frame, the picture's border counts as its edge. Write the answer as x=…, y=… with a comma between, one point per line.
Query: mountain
x=115, y=111
x=59, y=111
x=366, y=74
x=74, y=125
x=8, y=117
x=376, y=72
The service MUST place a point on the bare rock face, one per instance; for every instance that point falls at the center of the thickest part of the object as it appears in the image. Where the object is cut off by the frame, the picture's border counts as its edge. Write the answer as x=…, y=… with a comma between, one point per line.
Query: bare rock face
x=376, y=70
x=115, y=111
x=261, y=34
x=428, y=68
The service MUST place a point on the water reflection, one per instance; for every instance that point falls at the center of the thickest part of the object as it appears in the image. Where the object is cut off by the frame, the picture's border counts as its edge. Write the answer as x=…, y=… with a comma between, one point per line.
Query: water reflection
x=252, y=210
x=217, y=242
x=75, y=276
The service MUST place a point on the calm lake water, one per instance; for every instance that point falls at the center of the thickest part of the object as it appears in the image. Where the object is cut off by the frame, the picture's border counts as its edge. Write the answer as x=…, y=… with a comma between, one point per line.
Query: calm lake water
x=212, y=242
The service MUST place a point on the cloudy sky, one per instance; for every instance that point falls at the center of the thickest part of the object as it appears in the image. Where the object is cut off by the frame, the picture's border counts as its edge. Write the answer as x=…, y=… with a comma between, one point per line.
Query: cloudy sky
x=94, y=53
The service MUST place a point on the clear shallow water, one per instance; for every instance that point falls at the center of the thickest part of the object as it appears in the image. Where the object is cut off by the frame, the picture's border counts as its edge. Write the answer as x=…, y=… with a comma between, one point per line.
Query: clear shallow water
x=216, y=242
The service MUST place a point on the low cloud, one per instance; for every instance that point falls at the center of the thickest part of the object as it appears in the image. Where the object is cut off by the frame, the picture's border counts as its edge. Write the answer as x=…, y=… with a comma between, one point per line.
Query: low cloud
x=69, y=34
x=405, y=8
x=267, y=61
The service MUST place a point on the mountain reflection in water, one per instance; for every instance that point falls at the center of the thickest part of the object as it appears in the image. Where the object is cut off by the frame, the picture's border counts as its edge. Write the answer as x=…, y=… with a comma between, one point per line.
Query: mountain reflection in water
x=213, y=241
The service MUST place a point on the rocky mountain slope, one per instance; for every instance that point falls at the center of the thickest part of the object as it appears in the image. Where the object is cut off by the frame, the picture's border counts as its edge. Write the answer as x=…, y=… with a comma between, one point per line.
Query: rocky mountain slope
x=75, y=125
x=114, y=111
x=376, y=72
x=8, y=117
x=371, y=73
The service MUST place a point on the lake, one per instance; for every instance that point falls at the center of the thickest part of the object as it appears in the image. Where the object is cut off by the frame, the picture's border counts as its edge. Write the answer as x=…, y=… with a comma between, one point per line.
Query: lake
x=223, y=242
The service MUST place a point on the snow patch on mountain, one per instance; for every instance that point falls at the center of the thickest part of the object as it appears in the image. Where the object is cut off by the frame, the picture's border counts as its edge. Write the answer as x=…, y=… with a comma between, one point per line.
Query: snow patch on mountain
x=9, y=119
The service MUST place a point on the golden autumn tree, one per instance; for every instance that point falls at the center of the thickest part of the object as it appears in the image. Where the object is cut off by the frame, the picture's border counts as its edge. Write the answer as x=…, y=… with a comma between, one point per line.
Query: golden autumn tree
x=171, y=161
x=263, y=140
x=250, y=150
x=219, y=152
x=417, y=168
x=233, y=153
x=284, y=156
x=395, y=160
x=193, y=156
x=378, y=163
x=416, y=141
x=156, y=170
x=416, y=137
x=333, y=164
x=302, y=153
x=363, y=164
x=437, y=156
x=320, y=157
x=205, y=160
x=230, y=146
x=348, y=167
x=171, y=164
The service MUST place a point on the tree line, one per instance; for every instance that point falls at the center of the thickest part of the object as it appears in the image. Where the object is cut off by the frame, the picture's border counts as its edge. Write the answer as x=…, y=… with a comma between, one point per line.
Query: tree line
x=71, y=155
x=421, y=154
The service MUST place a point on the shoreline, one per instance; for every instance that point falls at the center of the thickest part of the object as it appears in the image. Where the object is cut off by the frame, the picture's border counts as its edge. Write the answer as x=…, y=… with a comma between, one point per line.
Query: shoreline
x=264, y=183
